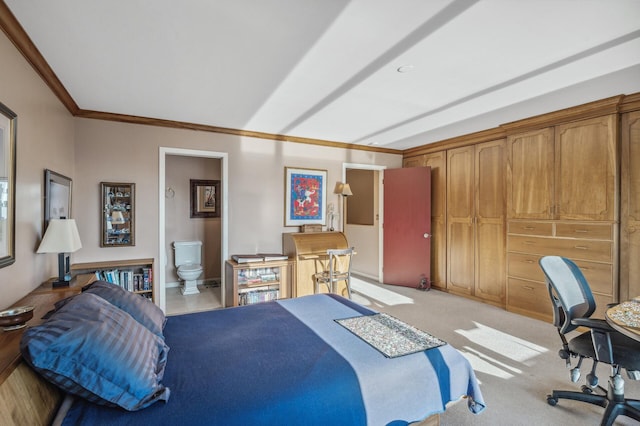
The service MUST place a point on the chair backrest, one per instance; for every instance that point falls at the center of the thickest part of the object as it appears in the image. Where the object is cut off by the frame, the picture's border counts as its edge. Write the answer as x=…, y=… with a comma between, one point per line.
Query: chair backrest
x=569, y=291
x=340, y=261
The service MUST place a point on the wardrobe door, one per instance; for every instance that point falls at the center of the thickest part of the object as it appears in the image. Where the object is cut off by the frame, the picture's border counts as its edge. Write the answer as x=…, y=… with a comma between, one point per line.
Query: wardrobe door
x=630, y=207
x=585, y=161
x=438, y=163
x=530, y=175
x=460, y=215
x=490, y=257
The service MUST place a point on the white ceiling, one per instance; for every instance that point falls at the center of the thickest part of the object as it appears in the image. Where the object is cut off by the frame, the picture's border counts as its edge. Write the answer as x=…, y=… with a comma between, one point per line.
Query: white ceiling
x=327, y=69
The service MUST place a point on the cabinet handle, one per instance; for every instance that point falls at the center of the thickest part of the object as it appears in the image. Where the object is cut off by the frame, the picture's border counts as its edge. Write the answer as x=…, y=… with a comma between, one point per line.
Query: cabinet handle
x=581, y=231
x=529, y=243
x=529, y=228
x=529, y=261
x=526, y=287
x=582, y=247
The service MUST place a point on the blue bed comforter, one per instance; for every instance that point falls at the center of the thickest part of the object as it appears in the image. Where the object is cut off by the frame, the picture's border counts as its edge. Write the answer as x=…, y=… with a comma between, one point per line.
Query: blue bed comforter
x=289, y=362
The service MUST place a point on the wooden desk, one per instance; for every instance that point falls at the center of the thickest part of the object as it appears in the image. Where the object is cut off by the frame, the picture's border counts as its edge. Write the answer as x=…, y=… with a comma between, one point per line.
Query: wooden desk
x=625, y=318
x=305, y=249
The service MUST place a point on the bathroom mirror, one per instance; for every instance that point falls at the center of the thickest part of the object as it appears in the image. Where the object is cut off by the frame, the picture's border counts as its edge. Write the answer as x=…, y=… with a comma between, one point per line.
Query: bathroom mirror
x=118, y=214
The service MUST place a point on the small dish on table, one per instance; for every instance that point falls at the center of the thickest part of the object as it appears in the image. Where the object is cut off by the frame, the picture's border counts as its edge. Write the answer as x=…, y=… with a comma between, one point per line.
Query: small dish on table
x=15, y=318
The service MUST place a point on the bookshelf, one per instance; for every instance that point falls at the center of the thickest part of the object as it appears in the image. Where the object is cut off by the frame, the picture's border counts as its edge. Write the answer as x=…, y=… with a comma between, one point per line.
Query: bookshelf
x=135, y=275
x=255, y=282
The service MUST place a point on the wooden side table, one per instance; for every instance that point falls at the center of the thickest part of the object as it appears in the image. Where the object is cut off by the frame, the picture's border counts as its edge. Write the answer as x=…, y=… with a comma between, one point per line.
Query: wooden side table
x=47, y=287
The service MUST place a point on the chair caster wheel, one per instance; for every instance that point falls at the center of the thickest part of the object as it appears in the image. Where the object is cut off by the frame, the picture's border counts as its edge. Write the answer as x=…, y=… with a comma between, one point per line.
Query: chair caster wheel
x=586, y=389
x=551, y=400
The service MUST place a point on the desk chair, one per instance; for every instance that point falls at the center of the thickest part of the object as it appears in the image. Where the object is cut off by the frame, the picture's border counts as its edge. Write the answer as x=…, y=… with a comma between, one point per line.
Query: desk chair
x=573, y=304
x=337, y=268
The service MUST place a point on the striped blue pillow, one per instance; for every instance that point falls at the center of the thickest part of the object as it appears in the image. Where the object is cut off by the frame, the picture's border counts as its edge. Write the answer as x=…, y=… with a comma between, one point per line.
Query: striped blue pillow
x=93, y=349
x=140, y=308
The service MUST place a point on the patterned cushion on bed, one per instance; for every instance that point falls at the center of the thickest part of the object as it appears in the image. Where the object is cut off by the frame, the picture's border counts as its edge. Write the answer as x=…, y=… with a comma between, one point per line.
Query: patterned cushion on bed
x=140, y=308
x=95, y=350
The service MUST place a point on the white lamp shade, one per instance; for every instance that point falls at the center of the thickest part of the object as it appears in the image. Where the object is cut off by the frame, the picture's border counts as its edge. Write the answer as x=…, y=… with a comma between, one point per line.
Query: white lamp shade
x=61, y=236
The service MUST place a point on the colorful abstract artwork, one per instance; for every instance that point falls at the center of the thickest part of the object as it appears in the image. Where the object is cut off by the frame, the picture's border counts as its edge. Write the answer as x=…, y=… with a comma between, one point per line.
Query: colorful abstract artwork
x=305, y=196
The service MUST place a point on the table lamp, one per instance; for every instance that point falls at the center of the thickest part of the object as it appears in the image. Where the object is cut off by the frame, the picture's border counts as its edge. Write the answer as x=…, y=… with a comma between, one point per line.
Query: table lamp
x=343, y=189
x=61, y=237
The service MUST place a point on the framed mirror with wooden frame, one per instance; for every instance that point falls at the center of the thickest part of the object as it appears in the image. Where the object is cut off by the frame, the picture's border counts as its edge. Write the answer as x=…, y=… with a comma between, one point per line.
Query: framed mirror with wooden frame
x=8, y=127
x=118, y=214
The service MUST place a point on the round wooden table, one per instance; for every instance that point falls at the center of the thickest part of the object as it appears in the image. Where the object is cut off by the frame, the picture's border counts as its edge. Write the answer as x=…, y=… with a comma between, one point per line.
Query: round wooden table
x=625, y=318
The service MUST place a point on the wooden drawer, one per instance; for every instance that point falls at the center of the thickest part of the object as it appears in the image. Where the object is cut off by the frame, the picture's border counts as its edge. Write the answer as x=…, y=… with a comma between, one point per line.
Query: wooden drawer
x=598, y=275
x=525, y=266
x=530, y=228
x=601, y=251
x=591, y=231
x=529, y=296
x=520, y=265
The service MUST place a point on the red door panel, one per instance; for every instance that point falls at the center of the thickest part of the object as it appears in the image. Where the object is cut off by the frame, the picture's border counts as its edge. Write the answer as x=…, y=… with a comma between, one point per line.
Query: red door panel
x=407, y=226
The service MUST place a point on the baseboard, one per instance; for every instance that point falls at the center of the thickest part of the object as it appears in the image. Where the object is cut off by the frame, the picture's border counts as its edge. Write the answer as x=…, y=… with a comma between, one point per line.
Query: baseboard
x=200, y=282
x=362, y=274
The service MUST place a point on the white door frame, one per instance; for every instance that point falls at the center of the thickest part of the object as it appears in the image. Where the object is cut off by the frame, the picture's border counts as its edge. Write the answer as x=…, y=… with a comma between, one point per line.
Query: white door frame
x=346, y=166
x=160, y=286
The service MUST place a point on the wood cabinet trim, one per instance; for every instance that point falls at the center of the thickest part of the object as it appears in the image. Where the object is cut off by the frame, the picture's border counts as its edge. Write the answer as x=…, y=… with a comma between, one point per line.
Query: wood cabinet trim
x=589, y=110
x=630, y=103
x=612, y=105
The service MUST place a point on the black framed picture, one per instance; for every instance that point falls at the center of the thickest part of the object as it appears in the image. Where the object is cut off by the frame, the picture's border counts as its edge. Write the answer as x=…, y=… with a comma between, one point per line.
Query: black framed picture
x=205, y=198
x=57, y=196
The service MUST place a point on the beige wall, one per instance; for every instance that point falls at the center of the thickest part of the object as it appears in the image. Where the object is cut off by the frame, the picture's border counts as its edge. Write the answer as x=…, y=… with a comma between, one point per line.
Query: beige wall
x=45, y=140
x=256, y=180
x=361, y=210
x=112, y=151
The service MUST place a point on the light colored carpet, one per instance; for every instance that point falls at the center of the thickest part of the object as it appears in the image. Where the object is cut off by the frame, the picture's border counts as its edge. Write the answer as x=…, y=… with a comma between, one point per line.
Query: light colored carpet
x=514, y=357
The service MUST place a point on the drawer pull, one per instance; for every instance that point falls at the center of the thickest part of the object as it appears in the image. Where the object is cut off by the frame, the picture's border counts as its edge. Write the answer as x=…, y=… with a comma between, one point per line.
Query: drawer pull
x=529, y=261
x=581, y=231
x=582, y=247
x=526, y=287
x=528, y=228
x=529, y=243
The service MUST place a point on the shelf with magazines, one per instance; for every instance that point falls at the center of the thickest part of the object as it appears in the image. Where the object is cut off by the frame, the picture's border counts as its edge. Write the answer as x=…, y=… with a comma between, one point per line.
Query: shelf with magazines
x=257, y=281
x=135, y=275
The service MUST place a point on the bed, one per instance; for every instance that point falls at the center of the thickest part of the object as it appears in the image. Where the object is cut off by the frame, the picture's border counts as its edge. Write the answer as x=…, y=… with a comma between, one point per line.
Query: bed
x=286, y=362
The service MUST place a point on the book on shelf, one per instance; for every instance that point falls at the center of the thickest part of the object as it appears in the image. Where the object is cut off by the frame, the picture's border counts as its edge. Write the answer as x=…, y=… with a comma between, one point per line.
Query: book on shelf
x=258, y=296
x=147, y=276
x=273, y=256
x=127, y=279
x=247, y=258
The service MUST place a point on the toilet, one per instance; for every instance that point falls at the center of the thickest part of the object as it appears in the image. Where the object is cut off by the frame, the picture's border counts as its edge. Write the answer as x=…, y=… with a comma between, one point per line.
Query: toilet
x=188, y=255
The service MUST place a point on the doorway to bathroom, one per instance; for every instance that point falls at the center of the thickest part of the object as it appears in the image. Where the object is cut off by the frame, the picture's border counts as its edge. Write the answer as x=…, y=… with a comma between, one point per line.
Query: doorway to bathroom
x=177, y=168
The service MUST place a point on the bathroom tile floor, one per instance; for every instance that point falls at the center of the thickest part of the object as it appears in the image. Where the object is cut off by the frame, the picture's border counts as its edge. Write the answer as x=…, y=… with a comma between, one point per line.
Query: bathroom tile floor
x=176, y=303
